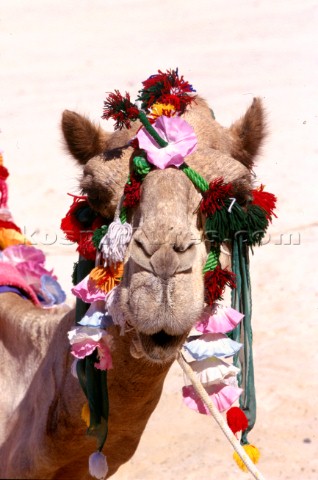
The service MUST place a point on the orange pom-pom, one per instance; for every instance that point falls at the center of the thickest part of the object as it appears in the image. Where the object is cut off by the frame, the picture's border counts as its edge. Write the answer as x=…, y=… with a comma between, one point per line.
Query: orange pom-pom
x=236, y=419
x=106, y=278
x=252, y=452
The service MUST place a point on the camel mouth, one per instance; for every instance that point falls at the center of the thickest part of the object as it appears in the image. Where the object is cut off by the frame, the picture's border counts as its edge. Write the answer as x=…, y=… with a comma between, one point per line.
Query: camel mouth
x=160, y=347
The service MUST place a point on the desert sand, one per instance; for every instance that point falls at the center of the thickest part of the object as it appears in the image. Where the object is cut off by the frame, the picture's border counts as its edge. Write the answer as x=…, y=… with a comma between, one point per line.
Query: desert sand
x=68, y=54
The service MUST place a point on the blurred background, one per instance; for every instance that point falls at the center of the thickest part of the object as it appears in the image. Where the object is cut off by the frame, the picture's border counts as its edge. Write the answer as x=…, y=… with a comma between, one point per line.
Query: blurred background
x=56, y=55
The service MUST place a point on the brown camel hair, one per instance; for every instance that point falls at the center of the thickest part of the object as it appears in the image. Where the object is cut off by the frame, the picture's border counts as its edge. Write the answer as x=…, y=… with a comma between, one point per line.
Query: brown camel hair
x=161, y=297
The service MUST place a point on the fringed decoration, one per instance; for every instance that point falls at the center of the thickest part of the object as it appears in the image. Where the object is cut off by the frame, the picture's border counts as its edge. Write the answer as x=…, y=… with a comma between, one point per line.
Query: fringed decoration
x=214, y=198
x=114, y=244
x=257, y=224
x=98, y=467
x=78, y=226
x=252, y=452
x=265, y=200
x=132, y=192
x=166, y=88
x=106, y=278
x=236, y=419
x=121, y=109
x=215, y=282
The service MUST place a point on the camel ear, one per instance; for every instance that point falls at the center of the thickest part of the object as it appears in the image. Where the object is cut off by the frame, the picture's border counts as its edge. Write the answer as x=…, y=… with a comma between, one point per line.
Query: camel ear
x=83, y=138
x=248, y=133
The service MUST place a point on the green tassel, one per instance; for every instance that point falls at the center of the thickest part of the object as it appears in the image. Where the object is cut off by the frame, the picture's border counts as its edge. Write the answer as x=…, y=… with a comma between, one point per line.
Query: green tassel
x=256, y=224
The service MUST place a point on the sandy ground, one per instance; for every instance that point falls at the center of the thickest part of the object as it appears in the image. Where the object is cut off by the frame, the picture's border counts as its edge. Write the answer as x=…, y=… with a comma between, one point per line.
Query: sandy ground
x=56, y=55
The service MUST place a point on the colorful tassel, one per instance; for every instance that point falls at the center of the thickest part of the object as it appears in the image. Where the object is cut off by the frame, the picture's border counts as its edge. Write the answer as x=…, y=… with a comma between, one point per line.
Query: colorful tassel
x=168, y=89
x=106, y=278
x=121, y=109
x=265, y=200
x=236, y=419
x=214, y=198
x=98, y=467
x=252, y=452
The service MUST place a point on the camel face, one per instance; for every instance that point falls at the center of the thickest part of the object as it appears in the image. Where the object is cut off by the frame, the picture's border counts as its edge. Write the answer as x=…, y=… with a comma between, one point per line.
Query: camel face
x=162, y=291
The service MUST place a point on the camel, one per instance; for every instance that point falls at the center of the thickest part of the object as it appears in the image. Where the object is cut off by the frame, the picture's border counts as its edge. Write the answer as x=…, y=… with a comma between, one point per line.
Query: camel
x=161, y=297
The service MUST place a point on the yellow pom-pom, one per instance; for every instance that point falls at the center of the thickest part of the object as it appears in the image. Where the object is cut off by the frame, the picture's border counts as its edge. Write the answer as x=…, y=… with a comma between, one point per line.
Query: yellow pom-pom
x=85, y=415
x=252, y=452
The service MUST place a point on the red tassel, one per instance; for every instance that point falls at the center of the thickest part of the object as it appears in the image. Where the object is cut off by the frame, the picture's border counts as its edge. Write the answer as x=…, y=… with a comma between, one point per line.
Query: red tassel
x=265, y=200
x=215, y=282
x=132, y=192
x=236, y=419
x=213, y=199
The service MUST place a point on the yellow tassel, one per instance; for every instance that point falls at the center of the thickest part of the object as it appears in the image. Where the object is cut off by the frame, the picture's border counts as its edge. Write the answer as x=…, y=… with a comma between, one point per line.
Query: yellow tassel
x=85, y=415
x=252, y=452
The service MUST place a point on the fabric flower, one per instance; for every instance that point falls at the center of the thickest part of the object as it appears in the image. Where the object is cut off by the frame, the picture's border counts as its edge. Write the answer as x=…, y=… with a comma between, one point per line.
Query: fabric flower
x=88, y=291
x=213, y=370
x=181, y=140
x=50, y=292
x=84, y=340
x=223, y=397
x=96, y=316
x=212, y=345
x=218, y=319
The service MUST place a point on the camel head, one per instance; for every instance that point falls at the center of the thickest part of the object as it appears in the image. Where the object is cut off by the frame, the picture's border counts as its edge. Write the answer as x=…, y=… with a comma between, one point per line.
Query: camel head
x=162, y=291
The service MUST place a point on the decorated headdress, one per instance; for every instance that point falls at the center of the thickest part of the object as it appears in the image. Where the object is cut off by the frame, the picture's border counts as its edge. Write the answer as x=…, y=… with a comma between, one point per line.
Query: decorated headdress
x=164, y=140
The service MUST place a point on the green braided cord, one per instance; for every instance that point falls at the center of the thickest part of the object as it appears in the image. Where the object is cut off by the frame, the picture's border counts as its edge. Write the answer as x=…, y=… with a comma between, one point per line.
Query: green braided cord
x=141, y=166
x=123, y=215
x=212, y=260
x=144, y=120
x=195, y=178
x=241, y=301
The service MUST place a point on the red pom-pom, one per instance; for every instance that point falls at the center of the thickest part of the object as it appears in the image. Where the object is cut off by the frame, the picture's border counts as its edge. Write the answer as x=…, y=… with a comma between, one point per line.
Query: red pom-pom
x=70, y=225
x=121, y=109
x=3, y=172
x=86, y=247
x=213, y=199
x=265, y=200
x=236, y=419
x=215, y=282
x=132, y=192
